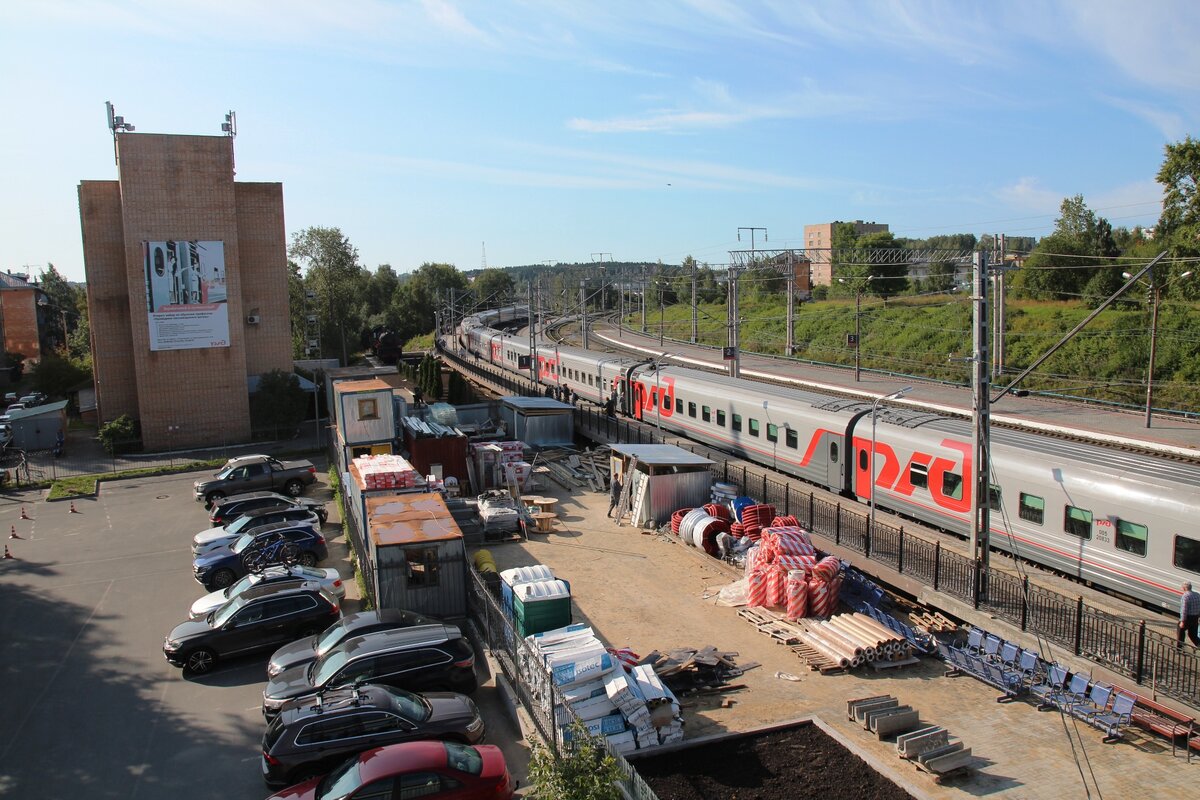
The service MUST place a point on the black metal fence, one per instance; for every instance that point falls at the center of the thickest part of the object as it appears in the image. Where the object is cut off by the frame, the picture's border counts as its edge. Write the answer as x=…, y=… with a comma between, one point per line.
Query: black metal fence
x=536, y=692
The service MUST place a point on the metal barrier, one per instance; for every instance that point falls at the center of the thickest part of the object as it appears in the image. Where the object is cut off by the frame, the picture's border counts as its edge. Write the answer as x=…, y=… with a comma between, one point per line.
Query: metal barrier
x=1124, y=646
x=522, y=668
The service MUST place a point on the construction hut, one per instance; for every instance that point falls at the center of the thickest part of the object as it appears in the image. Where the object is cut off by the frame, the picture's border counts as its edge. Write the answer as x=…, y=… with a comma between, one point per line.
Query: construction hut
x=418, y=556
x=364, y=417
x=435, y=449
x=660, y=479
x=538, y=421
x=38, y=428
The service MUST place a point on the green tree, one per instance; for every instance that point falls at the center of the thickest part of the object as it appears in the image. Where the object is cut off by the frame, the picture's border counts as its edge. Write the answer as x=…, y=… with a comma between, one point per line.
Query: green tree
x=584, y=770
x=279, y=404
x=62, y=304
x=413, y=307
x=335, y=277
x=492, y=287
x=56, y=375
x=1178, y=228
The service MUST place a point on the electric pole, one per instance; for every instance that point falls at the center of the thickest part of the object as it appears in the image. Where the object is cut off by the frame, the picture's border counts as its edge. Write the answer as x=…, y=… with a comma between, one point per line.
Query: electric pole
x=732, y=304
x=791, y=305
x=583, y=307
x=695, y=313
x=643, y=298
x=981, y=421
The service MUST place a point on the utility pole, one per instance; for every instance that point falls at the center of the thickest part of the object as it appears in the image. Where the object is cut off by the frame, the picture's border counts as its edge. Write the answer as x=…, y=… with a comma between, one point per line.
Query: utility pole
x=999, y=323
x=583, y=306
x=791, y=305
x=643, y=298
x=603, y=278
x=533, y=333
x=695, y=313
x=735, y=367
x=620, y=309
x=981, y=422
x=662, y=309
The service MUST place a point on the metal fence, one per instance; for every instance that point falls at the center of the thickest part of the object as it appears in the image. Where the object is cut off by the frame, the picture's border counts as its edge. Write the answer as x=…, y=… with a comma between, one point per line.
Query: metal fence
x=535, y=691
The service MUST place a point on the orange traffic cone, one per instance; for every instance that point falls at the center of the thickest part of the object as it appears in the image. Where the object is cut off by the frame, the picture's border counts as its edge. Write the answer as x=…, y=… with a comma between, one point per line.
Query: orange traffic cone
x=13, y=535
x=73, y=511
x=23, y=514
x=8, y=555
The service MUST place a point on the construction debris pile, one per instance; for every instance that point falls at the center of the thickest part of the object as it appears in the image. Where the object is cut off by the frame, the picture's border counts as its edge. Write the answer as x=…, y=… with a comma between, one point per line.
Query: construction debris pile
x=387, y=472
x=689, y=671
x=573, y=470
x=629, y=705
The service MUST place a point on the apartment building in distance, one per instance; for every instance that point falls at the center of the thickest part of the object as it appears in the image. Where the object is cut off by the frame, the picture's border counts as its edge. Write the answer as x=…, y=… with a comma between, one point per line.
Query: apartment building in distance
x=819, y=238
x=187, y=288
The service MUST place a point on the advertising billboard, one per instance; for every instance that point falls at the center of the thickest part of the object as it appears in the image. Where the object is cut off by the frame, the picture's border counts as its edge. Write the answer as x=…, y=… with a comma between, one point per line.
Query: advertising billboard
x=185, y=294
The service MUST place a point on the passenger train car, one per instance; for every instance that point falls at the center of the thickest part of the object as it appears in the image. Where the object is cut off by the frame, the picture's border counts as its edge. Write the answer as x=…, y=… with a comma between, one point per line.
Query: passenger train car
x=1124, y=521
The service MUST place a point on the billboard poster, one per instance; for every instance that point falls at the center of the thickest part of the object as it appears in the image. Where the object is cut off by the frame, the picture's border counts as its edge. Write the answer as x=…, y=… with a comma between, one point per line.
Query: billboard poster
x=185, y=294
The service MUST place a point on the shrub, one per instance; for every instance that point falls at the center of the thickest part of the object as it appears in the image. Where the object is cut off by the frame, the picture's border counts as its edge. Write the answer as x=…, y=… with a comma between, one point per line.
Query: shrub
x=122, y=435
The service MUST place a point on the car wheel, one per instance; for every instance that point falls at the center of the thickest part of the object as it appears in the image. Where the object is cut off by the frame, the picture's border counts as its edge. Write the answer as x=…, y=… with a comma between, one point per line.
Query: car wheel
x=308, y=559
x=200, y=661
x=294, y=487
x=222, y=578
x=212, y=497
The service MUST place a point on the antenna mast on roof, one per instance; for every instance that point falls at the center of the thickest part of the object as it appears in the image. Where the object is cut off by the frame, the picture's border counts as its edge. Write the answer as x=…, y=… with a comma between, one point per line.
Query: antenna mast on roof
x=116, y=125
x=484, y=264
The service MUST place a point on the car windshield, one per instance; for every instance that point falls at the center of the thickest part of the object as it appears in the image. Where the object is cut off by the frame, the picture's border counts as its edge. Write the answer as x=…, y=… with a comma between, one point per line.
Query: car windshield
x=222, y=614
x=241, y=586
x=223, y=474
x=341, y=782
x=330, y=638
x=463, y=758
x=244, y=541
x=242, y=523
x=411, y=706
x=326, y=666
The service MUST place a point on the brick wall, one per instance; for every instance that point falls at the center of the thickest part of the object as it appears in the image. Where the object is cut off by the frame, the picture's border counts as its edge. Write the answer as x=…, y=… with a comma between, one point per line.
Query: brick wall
x=262, y=243
x=19, y=309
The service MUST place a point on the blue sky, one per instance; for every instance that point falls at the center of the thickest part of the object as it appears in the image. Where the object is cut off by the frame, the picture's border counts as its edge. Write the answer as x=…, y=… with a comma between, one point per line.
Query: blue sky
x=650, y=130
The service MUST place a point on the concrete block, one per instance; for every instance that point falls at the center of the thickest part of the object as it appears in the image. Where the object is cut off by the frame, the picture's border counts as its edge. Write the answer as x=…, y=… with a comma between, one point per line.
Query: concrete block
x=886, y=725
x=913, y=743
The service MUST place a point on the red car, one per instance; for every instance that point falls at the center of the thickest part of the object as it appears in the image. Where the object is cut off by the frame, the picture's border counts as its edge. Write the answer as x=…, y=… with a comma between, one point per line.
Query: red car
x=442, y=770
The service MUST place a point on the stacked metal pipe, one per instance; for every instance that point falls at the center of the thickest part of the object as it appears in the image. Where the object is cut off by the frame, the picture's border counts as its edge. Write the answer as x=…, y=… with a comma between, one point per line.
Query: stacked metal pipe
x=853, y=639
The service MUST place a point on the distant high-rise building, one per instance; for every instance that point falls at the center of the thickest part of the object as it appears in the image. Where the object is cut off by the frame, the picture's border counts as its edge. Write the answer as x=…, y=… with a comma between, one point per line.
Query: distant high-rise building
x=187, y=288
x=819, y=238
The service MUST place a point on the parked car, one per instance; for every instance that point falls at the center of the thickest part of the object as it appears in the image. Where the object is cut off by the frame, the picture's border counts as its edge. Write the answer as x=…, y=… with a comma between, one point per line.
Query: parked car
x=413, y=769
x=208, y=540
x=292, y=577
x=230, y=508
x=302, y=651
x=221, y=567
x=32, y=399
x=247, y=473
x=254, y=621
x=14, y=407
x=314, y=735
x=433, y=657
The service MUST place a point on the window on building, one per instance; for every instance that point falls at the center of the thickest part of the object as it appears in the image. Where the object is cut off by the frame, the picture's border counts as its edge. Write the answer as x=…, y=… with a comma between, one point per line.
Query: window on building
x=772, y=433
x=1131, y=537
x=1187, y=553
x=918, y=475
x=1032, y=509
x=368, y=408
x=1078, y=522
x=422, y=566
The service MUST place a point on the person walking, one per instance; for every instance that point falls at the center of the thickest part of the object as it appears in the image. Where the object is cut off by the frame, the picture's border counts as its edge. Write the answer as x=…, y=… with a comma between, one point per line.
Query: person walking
x=614, y=494
x=1189, y=616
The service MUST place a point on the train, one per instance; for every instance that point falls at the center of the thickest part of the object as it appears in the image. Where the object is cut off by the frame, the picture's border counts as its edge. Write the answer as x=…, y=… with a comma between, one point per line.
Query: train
x=1122, y=521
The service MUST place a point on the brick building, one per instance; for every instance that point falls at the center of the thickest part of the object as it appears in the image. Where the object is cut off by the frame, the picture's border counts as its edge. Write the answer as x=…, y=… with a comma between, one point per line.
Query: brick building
x=21, y=316
x=819, y=238
x=187, y=288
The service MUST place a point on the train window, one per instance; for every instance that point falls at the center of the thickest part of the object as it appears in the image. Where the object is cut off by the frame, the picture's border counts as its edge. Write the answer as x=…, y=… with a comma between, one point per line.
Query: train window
x=792, y=439
x=993, y=497
x=833, y=452
x=692, y=410
x=952, y=485
x=706, y=413
x=721, y=418
x=678, y=406
x=862, y=459
x=1187, y=553
x=666, y=401
x=772, y=433
x=1078, y=522
x=753, y=427
x=1132, y=537
x=1033, y=508
x=590, y=383
x=918, y=475
x=737, y=422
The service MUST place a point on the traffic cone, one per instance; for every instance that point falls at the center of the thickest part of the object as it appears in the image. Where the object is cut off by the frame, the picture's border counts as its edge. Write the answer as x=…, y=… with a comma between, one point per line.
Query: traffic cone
x=23, y=514
x=73, y=511
x=8, y=555
x=13, y=535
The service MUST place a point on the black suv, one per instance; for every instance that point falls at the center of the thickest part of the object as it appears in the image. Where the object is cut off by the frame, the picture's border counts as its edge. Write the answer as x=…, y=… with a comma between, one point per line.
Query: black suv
x=225, y=511
x=262, y=618
x=313, y=735
x=303, y=651
x=435, y=657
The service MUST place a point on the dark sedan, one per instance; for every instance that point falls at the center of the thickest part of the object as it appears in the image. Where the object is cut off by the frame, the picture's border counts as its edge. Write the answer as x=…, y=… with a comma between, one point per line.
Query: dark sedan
x=303, y=651
x=226, y=511
x=312, y=736
x=252, y=622
x=223, y=566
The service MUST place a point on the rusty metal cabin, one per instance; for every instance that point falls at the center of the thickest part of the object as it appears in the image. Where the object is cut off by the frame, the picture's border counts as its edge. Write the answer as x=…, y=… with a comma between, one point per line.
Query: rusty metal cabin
x=666, y=479
x=417, y=555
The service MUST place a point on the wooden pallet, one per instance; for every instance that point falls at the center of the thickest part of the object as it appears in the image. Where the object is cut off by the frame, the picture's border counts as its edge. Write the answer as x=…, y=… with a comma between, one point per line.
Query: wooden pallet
x=780, y=630
x=933, y=622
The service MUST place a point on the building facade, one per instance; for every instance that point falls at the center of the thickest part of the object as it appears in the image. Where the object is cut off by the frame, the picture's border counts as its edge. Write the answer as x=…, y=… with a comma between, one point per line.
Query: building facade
x=818, y=239
x=21, y=316
x=187, y=288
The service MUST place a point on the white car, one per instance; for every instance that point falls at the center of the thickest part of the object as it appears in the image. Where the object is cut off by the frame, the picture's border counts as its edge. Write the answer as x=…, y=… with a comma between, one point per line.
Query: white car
x=208, y=540
x=329, y=579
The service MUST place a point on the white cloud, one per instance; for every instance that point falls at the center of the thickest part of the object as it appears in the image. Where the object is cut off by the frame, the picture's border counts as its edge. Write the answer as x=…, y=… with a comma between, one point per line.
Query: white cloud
x=1154, y=43
x=1028, y=195
x=1169, y=123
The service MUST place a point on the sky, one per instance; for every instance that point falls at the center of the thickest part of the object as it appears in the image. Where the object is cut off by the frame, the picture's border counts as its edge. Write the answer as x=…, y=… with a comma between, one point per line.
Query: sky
x=509, y=132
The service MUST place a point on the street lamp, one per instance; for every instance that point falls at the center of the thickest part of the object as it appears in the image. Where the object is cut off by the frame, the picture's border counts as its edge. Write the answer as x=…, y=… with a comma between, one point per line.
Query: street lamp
x=871, y=493
x=858, y=293
x=1155, y=296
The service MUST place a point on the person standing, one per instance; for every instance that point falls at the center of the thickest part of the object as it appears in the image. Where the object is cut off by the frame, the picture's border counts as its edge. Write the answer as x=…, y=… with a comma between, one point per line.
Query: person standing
x=1189, y=616
x=614, y=494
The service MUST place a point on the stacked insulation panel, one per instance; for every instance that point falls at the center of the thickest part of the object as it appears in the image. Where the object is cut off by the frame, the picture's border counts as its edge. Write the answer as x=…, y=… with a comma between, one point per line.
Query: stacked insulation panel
x=387, y=472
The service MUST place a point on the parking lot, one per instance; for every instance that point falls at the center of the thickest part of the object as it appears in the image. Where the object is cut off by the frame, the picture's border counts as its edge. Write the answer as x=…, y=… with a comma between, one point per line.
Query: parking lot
x=90, y=706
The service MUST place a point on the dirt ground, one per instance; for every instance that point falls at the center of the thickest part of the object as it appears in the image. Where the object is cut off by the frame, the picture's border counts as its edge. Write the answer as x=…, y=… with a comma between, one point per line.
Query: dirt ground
x=798, y=762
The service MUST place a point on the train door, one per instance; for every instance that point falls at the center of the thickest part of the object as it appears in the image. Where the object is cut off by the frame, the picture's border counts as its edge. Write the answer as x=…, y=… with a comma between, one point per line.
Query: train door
x=835, y=456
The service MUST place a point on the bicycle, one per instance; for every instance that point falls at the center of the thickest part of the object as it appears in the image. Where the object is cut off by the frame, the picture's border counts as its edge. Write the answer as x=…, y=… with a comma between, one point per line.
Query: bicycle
x=279, y=552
